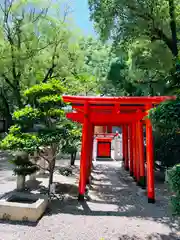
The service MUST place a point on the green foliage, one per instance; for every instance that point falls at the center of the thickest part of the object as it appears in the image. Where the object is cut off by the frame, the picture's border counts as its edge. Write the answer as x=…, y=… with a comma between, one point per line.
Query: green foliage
x=118, y=80
x=97, y=59
x=174, y=179
x=47, y=101
x=73, y=139
x=175, y=205
x=48, y=136
x=49, y=115
x=126, y=20
x=44, y=89
x=35, y=46
x=166, y=148
x=174, y=183
x=142, y=30
x=166, y=116
x=20, y=141
x=26, y=113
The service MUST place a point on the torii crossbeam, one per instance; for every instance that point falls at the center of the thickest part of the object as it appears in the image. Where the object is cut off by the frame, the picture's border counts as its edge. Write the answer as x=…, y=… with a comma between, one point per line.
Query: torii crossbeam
x=127, y=112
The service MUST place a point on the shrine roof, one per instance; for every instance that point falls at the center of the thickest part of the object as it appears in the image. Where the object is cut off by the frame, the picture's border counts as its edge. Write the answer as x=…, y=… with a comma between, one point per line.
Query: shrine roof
x=80, y=100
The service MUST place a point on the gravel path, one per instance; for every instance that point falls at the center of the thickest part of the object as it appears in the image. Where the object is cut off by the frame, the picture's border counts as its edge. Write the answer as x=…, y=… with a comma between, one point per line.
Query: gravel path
x=116, y=210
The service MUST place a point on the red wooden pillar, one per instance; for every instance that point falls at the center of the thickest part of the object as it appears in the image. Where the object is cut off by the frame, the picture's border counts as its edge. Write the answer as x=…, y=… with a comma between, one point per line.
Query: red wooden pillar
x=142, y=179
x=150, y=163
x=109, y=129
x=137, y=155
x=91, y=139
x=126, y=163
x=130, y=150
x=104, y=129
x=84, y=153
x=123, y=142
x=134, y=150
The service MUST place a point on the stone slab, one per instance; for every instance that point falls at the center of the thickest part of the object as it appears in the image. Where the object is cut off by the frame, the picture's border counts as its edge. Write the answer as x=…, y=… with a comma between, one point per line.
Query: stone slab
x=17, y=211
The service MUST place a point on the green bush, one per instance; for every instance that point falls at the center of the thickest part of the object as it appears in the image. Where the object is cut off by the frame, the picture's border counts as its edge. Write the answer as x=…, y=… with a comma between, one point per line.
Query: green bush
x=40, y=125
x=167, y=148
x=174, y=178
x=165, y=116
x=175, y=205
x=166, y=125
x=174, y=184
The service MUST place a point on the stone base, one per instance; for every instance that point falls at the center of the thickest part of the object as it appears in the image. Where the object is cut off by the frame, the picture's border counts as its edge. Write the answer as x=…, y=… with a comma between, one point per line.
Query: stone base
x=142, y=182
x=81, y=197
x=134, y=178
x=126, y=168
x=88, y=181
x=22, y=206
x=151, y=200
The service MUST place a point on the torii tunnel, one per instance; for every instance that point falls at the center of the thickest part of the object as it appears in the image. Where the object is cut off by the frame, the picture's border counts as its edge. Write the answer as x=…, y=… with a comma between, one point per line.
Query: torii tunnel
x=128, y=113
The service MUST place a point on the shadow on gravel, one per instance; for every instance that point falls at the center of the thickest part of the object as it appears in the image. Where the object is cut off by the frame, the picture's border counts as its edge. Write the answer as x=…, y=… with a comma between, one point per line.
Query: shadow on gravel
x=19, y=223
x=171, y=236
x=117, y=195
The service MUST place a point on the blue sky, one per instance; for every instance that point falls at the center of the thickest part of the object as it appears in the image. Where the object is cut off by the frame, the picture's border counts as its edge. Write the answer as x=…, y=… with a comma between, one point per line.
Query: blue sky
x=81, y=16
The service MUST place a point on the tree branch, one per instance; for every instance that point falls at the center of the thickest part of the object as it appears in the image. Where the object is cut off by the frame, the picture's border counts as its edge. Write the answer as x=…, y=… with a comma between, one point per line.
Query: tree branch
x=47, y=160
x=157, y=33
x=8, y=81
x=6, y=12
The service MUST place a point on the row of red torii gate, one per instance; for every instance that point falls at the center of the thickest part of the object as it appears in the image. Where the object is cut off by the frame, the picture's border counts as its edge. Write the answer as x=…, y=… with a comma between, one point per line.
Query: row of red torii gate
x=130, y=114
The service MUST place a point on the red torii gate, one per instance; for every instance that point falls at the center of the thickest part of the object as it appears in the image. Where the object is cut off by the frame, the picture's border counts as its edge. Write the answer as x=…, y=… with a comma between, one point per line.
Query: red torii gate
x=128, y=112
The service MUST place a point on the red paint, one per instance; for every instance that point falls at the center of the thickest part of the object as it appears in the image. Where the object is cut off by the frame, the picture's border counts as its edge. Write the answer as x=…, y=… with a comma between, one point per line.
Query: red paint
x=130, y=149
x=91, y=152
x=104, y=129
x=141, y=149
x=104, y=147
x=109, y=129
x=137, y=155
x=89, y=157
x=100, y=119
x=116, y=111
x=150, y=161
x=123, y=142
x=134, y=149
x=126, y=160
x=121, y=100
x=84, y=153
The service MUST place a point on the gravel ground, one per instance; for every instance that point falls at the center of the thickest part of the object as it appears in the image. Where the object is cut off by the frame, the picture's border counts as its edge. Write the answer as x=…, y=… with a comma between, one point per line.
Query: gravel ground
x=116, y=209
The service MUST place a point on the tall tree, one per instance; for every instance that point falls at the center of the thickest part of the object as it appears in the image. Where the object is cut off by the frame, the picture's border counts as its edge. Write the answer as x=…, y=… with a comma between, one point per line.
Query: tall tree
x=46, y=109
x=35, y=47
x=128, y=21
x=97, y=61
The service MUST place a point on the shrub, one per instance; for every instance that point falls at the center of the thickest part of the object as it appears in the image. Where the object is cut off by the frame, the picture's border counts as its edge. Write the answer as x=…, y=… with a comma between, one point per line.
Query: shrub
x=174, y=184
x=165, y=116
x=45, y=108
x=167, y=148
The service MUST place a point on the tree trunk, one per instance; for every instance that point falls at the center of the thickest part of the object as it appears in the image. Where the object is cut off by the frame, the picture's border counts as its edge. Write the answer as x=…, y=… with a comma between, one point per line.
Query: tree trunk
x=7, y=112
x=173, y=28
x=51, y=172
x=18, y=98
x=20, y=182
x=9, y=122
x=73, y=158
